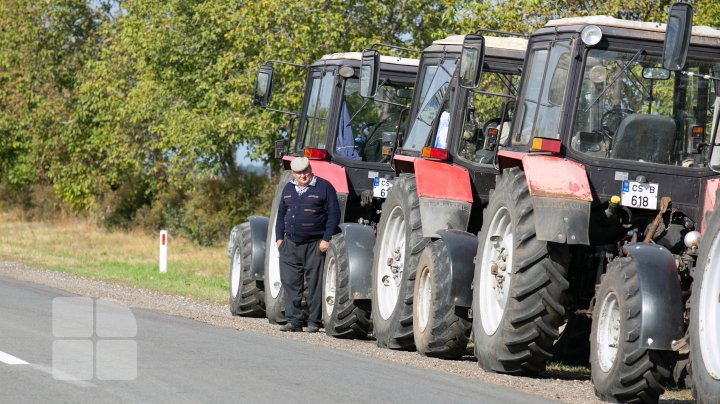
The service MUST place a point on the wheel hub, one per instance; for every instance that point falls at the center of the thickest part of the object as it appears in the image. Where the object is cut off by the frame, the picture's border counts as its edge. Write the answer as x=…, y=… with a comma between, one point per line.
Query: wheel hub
x=330, y=285
x=608, y=334
x=495, y=271
x=391, y=262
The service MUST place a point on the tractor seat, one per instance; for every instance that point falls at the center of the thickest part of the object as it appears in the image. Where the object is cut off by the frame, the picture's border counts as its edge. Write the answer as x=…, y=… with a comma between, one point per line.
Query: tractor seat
x=642, y=137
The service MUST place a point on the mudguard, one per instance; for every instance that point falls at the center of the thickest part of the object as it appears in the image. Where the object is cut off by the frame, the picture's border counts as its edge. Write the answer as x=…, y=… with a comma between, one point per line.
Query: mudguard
x=661, y=320
x=561, y=197
x=258, y=236
x=462, y=247
x=445, y=196
x=359, y=243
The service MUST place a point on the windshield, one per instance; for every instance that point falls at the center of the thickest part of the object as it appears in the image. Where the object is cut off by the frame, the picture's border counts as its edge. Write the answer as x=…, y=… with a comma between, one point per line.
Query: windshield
x=433, y=103
x=630, y=108
x=368, y=128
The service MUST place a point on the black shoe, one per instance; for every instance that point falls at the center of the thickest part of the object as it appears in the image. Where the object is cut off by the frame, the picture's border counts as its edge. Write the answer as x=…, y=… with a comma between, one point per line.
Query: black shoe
x=291, y=327
x=312, y=328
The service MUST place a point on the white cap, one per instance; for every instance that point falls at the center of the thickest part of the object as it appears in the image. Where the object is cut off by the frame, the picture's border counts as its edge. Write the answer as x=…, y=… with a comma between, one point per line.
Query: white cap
x=299, y=164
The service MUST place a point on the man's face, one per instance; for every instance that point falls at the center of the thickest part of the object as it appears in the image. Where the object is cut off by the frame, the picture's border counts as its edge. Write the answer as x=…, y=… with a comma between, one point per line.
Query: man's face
x=303, y=178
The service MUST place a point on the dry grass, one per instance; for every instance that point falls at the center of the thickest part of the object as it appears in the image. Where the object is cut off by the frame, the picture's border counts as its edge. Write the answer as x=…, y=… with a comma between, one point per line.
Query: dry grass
x=76, y=246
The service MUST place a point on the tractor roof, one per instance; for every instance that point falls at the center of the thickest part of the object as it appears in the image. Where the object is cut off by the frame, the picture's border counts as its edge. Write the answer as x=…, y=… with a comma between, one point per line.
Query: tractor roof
x=383, y=59
x=490, y=42
x=608, y=21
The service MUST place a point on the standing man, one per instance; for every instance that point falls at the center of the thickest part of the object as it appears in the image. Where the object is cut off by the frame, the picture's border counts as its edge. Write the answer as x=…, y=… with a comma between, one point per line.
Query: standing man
x=308, y=216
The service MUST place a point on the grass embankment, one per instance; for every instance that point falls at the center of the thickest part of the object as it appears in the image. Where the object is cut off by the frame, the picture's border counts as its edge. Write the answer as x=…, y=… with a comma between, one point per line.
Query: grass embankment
x=80, y=248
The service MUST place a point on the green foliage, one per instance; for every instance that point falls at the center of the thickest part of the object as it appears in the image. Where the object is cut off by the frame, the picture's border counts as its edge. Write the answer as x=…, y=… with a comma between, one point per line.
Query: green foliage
x=122, y=107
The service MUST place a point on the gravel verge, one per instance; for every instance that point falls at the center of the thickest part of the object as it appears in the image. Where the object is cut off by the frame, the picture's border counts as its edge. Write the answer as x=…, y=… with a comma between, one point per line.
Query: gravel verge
x=551, y=386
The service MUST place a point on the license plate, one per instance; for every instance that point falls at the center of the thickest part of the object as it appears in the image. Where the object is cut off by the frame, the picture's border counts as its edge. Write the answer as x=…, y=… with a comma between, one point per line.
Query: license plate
x=381, y=186
x=639, y=195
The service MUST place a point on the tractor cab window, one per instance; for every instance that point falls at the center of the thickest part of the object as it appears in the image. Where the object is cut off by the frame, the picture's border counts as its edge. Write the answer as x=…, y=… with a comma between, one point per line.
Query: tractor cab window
x=368, y=128
x=318, y=108
x=543, y=93
x=484, y=126
x=630, y=108
x=433, y=116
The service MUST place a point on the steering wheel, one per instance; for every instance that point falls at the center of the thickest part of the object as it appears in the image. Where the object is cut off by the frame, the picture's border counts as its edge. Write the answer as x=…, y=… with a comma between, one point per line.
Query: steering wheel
x=611, y=119
x=372, y=139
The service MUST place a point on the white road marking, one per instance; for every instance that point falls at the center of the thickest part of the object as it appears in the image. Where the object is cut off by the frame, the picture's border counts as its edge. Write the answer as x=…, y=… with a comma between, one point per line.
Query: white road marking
x=11, y=360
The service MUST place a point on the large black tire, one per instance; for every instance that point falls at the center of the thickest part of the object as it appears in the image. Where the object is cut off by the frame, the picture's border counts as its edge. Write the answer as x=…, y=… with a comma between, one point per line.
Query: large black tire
x=441, y=329
x=274, y=293
x=515, y=321
x=343, y=316
x=621, y=370
x=704, y=315
x=392, y=316
x=246, y=294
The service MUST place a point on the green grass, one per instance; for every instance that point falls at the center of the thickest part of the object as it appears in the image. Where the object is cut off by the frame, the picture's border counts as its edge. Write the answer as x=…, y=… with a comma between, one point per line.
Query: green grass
x=79, y=248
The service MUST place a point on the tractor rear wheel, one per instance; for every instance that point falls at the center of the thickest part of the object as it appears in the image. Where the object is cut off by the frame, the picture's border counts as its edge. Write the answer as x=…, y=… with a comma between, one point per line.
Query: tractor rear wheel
x=274, y=293
x=397, y=251
x=705, y=317
x=519, y=282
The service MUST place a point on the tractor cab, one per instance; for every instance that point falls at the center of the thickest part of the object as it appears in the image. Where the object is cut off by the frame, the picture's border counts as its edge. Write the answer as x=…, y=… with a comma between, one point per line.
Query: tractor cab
x=348, y=138
x=596, y=92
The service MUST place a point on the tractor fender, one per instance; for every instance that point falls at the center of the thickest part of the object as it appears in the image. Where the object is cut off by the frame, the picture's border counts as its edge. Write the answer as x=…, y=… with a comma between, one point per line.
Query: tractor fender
x=561, y=196
x=359, y=243
x=462, y=247
x=661, y=320
x=445, y=196
x=258, y=236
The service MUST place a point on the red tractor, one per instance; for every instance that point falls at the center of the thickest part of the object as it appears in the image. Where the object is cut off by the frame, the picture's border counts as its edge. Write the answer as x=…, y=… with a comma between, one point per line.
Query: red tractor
x=607, y=178
x=347, y=138
x=445, y=168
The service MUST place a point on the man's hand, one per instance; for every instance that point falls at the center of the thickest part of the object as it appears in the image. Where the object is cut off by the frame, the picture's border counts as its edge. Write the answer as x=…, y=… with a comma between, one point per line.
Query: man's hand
x=278, y=242
x=324, y=245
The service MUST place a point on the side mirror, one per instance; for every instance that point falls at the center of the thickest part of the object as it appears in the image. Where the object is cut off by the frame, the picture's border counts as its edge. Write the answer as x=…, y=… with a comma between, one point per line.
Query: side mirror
x=677, y=36
x=263, y=86
x=471, y=60
x=369, y=73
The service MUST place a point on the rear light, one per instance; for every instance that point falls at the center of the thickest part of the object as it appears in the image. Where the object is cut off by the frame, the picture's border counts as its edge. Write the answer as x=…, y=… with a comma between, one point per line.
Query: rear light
x=545, y=145
x=386, y=150
x=316, y=154
x=695, y=139
x=434, y=154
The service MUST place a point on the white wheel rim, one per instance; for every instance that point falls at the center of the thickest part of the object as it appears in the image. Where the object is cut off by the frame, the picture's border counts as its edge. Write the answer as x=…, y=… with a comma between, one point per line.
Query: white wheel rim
x=390, y=267
x=274, y=265
x=330, y=285
x=424, y=298
x=608, y=332
x=495, y=271
x=709, y=314
x=235, y=272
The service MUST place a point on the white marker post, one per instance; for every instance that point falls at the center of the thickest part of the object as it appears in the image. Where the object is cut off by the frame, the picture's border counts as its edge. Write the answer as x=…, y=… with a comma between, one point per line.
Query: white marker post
x=163, y=251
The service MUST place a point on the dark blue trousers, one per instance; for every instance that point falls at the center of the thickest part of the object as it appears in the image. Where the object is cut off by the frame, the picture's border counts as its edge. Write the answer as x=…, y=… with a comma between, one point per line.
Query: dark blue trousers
x=302, y=262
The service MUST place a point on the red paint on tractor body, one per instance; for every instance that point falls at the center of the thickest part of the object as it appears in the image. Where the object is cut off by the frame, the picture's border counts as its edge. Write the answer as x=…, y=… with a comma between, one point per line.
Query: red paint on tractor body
x=334, y=173
x=556, y=177
x=440, y=180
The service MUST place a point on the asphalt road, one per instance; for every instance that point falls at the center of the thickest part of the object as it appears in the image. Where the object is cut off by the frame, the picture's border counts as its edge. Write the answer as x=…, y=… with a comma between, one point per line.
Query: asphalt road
x=183, y=361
